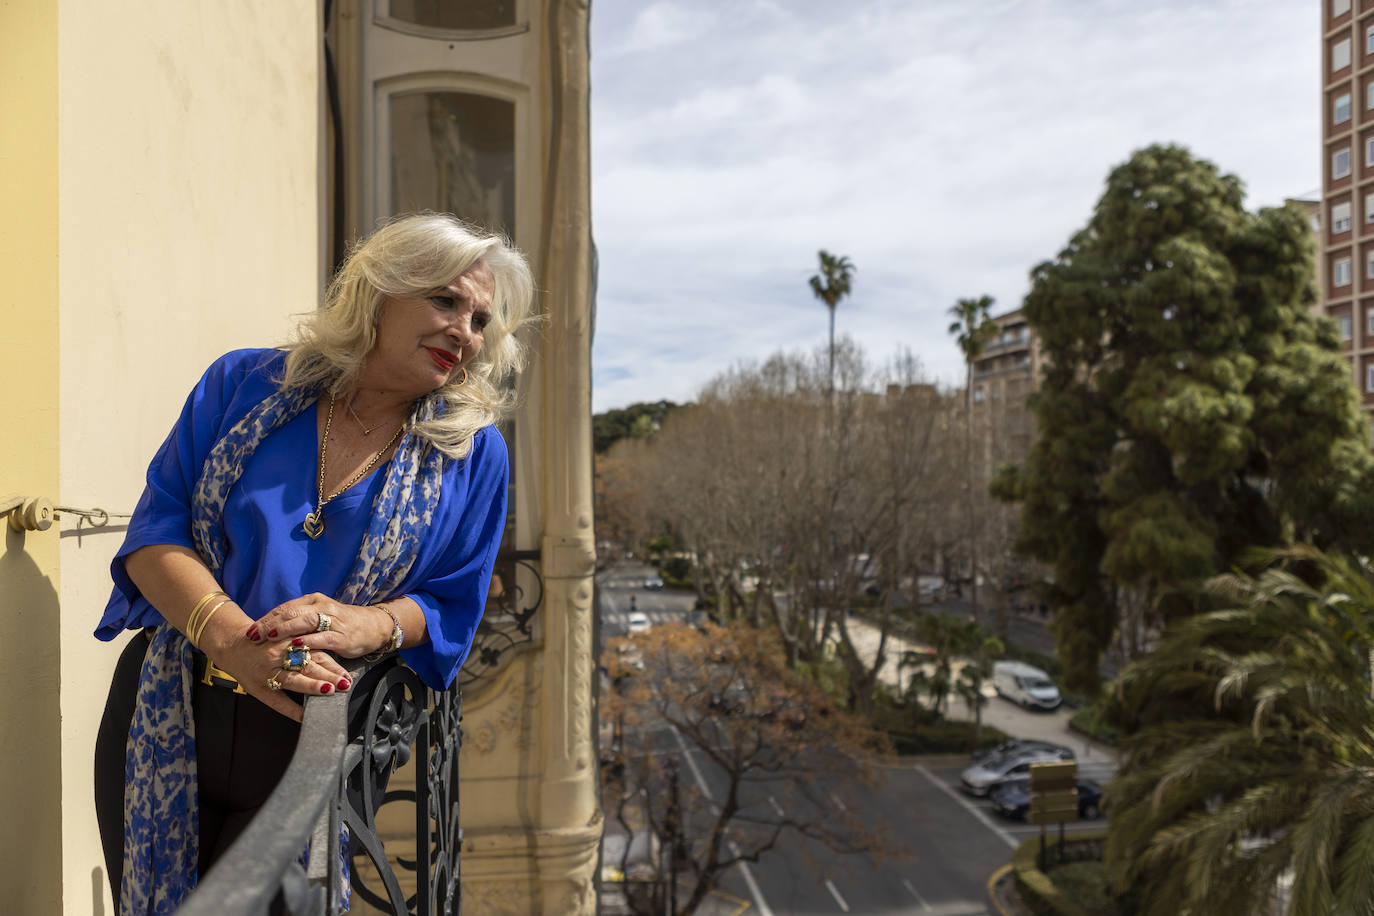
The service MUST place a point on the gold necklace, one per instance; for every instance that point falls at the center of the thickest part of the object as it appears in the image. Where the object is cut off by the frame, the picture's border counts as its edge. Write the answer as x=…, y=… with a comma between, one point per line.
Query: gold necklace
x=314, y=521
x=367, y=430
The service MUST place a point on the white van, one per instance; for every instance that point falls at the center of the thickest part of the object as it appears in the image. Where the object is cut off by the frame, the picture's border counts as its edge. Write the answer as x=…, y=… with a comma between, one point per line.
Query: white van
x=1025, y=685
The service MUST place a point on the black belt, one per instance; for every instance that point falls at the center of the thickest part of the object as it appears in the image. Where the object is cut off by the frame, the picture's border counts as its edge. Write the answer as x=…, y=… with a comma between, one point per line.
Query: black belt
x=212, y=675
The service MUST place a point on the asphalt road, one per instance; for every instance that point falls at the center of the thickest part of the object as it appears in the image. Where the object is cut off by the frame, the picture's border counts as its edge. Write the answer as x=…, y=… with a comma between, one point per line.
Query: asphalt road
x=946, y=844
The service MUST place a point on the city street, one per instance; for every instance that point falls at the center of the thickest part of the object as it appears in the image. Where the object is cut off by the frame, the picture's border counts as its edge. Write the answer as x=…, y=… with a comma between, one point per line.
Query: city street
x=946, y=844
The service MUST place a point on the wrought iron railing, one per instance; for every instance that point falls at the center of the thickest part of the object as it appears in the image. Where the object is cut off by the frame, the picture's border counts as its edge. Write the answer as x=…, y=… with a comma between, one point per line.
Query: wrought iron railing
x=506, y=625
x=321, y=820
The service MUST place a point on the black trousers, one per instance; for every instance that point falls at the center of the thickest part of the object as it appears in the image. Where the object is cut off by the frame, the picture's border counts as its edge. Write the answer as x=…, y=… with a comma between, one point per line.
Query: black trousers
x=242, y=750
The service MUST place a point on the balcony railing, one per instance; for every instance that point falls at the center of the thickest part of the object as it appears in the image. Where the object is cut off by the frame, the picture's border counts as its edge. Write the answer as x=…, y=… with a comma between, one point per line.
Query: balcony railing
x=327, y=802
x=322, y=818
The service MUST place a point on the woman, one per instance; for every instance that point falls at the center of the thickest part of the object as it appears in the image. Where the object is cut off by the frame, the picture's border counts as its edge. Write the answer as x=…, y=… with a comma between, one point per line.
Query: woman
x=342, y=497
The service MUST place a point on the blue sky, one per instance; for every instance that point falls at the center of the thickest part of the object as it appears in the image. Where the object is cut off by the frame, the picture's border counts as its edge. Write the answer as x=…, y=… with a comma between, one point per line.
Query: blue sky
x=945, y=146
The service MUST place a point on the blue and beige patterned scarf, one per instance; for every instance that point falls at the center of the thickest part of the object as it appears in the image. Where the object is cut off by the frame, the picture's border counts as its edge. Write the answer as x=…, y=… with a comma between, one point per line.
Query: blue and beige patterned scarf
x=161, y=821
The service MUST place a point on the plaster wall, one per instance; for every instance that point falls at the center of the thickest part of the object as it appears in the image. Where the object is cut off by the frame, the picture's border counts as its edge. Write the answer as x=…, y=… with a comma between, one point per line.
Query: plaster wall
x=185, y=209
x=30, y=833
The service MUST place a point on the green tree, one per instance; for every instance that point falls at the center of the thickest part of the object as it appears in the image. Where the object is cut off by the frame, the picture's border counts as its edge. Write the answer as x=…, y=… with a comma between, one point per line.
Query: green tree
x=832, y=284
x=973, y=329
x=1253, y=751
x=1191, y=405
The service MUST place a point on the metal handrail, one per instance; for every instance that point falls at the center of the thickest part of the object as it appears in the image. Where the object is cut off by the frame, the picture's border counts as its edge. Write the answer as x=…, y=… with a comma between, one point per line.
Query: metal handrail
x=349, y=746
x=265, y=856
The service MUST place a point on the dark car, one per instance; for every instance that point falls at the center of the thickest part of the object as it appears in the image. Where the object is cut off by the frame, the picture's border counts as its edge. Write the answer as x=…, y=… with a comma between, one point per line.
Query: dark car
x=1011, y=798
x=1019, y=745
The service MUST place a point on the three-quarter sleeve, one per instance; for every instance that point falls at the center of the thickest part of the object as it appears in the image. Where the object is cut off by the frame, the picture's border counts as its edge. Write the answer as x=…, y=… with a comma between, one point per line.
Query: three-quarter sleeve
x=163, y=513
x=454, y=592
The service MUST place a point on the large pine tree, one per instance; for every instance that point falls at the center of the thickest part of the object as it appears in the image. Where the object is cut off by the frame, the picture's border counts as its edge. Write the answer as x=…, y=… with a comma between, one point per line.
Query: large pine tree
x=1192, y=406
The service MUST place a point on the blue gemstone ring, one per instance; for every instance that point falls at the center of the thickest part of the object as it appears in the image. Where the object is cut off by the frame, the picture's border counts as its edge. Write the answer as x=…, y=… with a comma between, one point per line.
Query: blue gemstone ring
x=297, y=658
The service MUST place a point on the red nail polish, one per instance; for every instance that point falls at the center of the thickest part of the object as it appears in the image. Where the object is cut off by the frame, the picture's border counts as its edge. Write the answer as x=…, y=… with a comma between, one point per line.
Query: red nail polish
x=298, y=641
x=325, y=688
x=272, y=632
x=344, y=683
x=253, y=633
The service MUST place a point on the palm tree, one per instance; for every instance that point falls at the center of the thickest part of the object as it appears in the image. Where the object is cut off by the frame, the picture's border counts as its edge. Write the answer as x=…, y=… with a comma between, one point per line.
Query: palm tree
x=973, y=329
x=831, y=285
x=1253, y=755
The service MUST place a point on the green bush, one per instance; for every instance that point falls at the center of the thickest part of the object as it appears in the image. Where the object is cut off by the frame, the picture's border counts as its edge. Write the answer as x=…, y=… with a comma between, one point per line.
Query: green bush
x=1041, y=893
x=674, y=570
x=1092, y=721
x=932, y=735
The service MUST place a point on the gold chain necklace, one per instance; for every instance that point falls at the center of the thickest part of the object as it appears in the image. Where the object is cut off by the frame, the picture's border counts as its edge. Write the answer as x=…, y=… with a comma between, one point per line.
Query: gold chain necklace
x=314, y=521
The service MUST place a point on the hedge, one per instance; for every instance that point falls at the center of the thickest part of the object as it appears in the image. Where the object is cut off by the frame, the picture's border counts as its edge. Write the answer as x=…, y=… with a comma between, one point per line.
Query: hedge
x=1037, y=890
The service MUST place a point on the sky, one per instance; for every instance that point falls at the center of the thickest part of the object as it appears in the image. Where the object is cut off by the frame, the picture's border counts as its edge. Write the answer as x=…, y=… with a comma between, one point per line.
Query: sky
x=945, y=146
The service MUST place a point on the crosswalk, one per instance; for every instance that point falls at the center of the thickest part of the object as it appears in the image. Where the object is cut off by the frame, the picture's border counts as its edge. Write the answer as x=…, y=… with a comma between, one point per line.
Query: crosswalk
x=616, y=622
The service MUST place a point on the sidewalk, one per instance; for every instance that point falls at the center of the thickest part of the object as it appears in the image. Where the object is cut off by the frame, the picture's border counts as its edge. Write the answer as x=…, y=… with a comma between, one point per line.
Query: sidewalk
x=1047, y=726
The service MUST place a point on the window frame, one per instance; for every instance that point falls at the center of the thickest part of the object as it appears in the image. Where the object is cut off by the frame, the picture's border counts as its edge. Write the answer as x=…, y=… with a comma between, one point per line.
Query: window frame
x=1346, y=326
x=1336, y=117
x=1339, y=266
x=1336, y=171
x=1338, y=50
x=1369, y=377
x=1340, y=217
x=1339, y=8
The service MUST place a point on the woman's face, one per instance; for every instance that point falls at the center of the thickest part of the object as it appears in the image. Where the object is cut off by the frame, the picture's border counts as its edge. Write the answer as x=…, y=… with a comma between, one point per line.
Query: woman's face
x=421, y=342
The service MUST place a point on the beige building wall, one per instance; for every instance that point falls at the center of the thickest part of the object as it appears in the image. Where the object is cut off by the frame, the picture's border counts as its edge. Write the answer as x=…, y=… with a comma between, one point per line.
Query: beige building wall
x=30, y=662
x=165, y=210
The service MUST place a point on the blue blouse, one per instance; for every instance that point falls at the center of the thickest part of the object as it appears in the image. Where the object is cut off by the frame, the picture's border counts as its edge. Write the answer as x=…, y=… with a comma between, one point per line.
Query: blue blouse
x=271, y=560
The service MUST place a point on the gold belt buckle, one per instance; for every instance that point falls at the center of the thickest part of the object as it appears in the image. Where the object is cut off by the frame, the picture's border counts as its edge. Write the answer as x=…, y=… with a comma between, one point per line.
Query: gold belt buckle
x=214, y=673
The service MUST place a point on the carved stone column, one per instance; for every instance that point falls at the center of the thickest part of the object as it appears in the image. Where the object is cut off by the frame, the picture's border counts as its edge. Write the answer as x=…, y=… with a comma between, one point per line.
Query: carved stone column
x=531, y=728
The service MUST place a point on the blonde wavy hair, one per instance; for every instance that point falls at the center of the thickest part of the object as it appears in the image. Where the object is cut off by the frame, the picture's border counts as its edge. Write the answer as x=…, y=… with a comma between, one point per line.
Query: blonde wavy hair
x=410, y=256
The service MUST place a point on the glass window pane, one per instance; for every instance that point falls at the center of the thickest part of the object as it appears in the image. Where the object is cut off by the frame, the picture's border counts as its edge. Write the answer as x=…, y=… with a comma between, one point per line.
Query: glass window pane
x=454, y=152
x=455, y=15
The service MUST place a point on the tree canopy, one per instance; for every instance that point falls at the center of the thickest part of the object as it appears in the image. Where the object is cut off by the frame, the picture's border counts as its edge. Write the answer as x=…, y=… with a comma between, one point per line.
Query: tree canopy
x=638, y=421
x=1251, y=755
x=1191, y=406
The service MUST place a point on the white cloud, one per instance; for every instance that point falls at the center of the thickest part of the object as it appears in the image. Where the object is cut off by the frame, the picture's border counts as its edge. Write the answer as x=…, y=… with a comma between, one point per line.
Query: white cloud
x=944, y=149
x=664, y=24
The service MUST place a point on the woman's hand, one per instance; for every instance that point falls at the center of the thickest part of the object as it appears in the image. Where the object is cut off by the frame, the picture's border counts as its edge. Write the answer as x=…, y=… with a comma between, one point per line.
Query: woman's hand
x=258, y=665
x=347, y=630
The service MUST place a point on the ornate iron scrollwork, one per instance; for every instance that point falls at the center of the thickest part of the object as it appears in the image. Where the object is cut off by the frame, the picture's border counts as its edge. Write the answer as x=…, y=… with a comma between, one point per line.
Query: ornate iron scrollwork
x=400, y=711
x=506, y=624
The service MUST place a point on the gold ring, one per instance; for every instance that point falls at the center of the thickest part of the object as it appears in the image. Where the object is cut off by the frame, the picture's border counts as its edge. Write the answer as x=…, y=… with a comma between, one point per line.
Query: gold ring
x=325, y=623
x=272, y=683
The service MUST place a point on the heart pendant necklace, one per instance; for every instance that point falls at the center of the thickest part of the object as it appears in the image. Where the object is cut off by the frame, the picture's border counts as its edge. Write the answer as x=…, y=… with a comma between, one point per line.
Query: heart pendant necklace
x=314, y=521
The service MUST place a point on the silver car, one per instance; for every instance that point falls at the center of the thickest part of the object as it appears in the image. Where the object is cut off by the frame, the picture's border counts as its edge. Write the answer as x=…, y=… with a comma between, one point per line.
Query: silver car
x=979, y=779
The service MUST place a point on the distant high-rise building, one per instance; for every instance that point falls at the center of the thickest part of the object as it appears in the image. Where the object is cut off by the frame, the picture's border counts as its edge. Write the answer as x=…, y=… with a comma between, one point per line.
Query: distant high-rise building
x=1345, y=222
x=1003, y=377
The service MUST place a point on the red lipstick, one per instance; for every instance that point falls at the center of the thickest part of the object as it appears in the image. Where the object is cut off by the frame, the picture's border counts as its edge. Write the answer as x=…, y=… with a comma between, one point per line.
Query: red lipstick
x=442, y=358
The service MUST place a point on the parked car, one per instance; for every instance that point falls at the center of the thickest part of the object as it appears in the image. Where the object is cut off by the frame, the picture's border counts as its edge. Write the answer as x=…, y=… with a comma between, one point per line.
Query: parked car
x=979, y=779
x=638, y=622
x=653, y=583
x=1020, y=745
x=1025, y=685
x=1011, y=798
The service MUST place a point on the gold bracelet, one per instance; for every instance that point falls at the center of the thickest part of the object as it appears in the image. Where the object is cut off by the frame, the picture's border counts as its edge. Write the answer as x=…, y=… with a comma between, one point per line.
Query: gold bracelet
x=393, y=641
x=195, y=611
x=200, y=631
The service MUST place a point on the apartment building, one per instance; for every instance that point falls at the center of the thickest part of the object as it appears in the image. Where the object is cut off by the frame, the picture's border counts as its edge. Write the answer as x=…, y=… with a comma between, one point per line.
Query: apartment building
x=1346, y=221
x=1003, y=377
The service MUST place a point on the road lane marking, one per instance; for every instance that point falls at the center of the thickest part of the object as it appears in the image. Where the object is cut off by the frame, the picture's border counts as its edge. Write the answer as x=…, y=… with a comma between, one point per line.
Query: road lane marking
x=970, y=807
x=830, y=886
x=754, y=890
x=919, y=899
x=838, y=804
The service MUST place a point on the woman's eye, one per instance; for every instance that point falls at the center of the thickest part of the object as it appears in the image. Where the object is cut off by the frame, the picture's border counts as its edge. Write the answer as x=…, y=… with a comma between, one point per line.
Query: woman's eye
x=481, y=321
x=443, y=302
